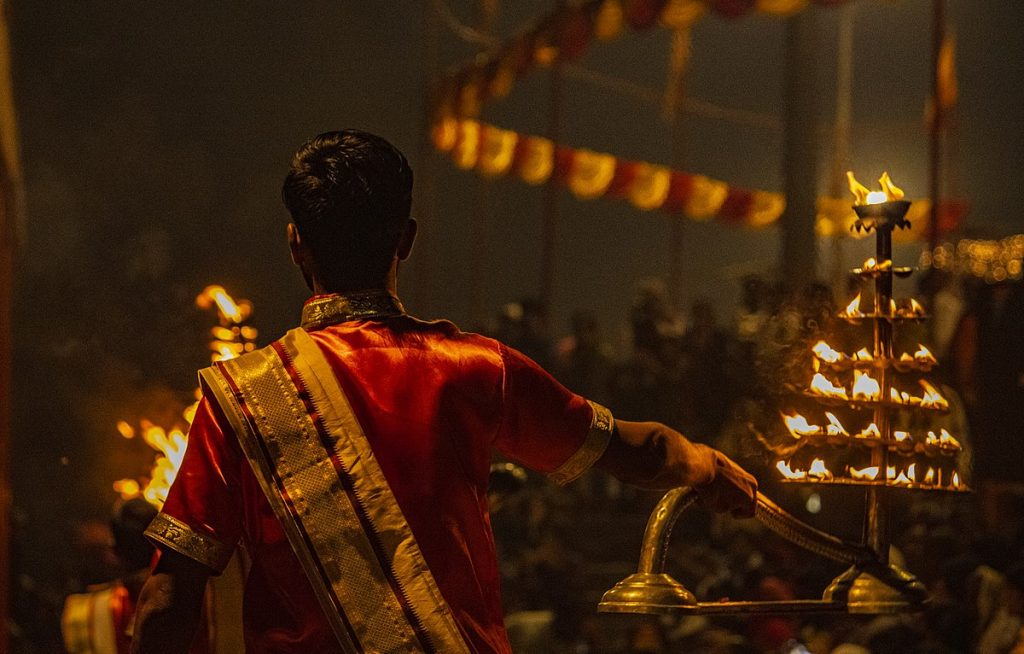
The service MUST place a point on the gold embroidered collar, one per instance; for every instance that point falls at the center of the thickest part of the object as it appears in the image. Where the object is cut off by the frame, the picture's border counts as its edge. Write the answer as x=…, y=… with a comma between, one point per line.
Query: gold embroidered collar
x=342, y=307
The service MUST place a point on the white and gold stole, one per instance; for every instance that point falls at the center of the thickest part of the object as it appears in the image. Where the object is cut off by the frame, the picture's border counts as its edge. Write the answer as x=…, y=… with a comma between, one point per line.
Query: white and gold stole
x=323, y=482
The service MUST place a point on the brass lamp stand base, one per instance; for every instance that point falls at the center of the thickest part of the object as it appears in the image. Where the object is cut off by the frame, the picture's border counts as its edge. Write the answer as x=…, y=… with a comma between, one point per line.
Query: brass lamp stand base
x=869, y=586
x=886, y=589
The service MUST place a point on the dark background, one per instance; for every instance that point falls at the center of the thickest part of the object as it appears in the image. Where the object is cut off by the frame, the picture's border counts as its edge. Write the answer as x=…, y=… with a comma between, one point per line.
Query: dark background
x=155, y=137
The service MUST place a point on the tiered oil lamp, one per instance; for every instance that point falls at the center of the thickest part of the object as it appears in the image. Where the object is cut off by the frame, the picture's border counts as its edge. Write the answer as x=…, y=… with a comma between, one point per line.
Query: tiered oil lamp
x=867, y=385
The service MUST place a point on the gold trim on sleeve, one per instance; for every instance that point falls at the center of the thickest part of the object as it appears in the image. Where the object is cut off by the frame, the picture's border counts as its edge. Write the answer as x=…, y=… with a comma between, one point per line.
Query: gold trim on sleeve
x=169, y=532
x=596, y=442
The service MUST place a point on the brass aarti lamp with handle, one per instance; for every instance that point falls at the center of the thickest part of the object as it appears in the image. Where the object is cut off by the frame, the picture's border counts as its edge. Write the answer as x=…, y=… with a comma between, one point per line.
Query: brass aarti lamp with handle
x=878, y=456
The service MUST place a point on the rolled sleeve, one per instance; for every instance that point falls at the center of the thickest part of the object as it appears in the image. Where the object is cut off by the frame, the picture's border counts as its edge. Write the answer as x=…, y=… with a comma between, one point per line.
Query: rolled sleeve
x=545, y=426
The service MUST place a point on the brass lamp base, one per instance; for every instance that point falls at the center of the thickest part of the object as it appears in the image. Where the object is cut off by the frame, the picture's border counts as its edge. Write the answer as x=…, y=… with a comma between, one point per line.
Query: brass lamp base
x=886, y=589
x=649, y=593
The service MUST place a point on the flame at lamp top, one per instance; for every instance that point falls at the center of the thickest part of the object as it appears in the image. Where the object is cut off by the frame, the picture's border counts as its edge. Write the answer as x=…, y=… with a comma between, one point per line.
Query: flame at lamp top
x=862, y=196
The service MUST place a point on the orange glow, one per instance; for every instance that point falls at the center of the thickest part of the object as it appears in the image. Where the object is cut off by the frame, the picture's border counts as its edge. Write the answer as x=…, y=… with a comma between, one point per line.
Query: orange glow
x=127, y=488
x=931, y=398
x=171, y=448
x=223, y=351
x=226, y=305
x=820, y=385
x=865, y=387
x=190, y=412
x=824, y=352
x=799, y=427
x=835, y=428
x=126, y=430
x=864, y=474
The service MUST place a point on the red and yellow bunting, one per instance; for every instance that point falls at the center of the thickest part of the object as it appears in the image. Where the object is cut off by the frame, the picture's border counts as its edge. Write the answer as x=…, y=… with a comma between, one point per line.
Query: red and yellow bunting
x=495, y=152
x=589, y=175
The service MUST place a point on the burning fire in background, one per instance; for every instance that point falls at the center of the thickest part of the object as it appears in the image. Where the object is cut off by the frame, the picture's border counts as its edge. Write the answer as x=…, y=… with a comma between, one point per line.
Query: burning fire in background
x=230, y=338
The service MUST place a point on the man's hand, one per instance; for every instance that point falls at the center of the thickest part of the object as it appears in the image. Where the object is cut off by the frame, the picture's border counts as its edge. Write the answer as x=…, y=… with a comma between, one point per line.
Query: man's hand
x=170, y=605
x=651, y=455
x=728, y=486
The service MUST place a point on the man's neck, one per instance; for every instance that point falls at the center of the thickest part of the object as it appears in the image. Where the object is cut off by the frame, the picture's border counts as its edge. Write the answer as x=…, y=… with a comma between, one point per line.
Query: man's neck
x=389, y=284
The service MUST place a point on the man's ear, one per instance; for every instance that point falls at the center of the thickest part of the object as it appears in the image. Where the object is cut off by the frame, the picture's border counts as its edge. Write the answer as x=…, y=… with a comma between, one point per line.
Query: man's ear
x=295, y=245
x=408, y=238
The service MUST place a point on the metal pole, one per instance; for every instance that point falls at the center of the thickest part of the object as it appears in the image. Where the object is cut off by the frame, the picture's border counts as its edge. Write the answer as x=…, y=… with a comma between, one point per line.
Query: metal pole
x=549, y=240
x=677, y=228
x=423, y=193
x=801, y=151
x=876, y=524
x=841, y=132
x=935, y=129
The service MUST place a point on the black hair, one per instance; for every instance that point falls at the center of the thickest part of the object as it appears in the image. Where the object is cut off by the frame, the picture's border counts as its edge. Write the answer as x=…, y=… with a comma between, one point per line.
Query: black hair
x=349, y=194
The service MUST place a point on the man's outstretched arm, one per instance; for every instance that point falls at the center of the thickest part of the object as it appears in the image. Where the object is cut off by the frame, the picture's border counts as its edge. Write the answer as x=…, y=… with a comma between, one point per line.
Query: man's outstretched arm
x=654, y=456
x=170, y=606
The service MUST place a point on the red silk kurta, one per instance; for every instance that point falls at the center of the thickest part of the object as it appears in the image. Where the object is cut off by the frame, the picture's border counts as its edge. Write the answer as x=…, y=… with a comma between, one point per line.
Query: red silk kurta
x=434, y=402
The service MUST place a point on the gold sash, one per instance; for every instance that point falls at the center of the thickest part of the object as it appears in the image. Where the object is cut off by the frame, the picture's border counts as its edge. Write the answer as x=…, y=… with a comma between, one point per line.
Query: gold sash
x=323, y=482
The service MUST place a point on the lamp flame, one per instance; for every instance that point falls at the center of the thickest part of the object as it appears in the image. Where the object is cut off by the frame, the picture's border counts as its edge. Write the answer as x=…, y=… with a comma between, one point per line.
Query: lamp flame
x=860, y=192
x=924, y=356
x=865, y=387
x=892, y=192
x=864, y=474
x=824, y=352
x=799, y=427
x=871, y=431
x=819, y=470
x=863, y=355
x=931, y=398
x=788, y=473
x=862, y=196
x=820, y=385
x=852, y=309
x=834, y=428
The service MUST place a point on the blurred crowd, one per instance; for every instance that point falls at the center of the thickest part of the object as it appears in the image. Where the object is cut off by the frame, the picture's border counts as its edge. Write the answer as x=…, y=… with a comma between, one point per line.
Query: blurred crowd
x=720, y=380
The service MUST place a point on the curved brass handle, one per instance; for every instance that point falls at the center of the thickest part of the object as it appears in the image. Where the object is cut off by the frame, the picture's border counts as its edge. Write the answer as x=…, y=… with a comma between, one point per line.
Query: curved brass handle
x=771, y=515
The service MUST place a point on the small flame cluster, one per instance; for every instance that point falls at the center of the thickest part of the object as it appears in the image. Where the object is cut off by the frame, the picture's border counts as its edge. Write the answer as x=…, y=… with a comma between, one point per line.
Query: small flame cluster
x=231, y=337
x=862, y=196
x=827, y=356
x=866, y=390
x=909, y=476
x=909, y=309
x=835, y=433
